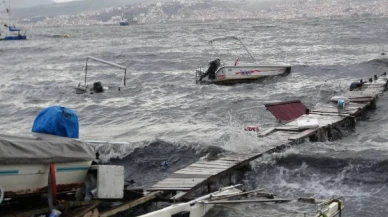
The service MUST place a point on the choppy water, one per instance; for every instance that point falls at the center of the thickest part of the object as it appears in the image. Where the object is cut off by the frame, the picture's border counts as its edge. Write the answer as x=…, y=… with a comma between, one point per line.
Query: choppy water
x=166, y=117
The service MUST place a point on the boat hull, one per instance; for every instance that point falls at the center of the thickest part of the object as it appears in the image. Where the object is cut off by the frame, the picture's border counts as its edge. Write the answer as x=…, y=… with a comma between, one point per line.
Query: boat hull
x=14, y=38
x=124, y=23
x=244, y=74
x=25, y=179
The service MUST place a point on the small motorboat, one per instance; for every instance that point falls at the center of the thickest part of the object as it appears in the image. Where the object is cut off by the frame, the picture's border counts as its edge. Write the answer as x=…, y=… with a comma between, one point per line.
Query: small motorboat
x=97, y=86
x=14, y=34
x=232, y=74
x=11, y=32
x=200, y=206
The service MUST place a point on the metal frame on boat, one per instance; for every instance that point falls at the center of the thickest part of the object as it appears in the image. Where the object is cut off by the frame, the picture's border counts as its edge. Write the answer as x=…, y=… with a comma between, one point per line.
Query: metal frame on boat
x=84, y=88
x=232, y=74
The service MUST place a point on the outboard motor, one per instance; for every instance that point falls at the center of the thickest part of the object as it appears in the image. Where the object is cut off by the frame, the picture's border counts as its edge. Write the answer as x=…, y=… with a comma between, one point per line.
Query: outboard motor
x=97, y=87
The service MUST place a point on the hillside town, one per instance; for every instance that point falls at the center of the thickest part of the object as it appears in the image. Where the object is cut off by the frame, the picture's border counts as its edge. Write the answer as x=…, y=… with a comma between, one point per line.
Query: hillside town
x=203, y=10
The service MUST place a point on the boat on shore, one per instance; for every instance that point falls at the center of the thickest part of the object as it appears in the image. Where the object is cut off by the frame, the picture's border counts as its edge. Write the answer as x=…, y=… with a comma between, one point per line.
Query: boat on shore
x=27, y=160
x=235, y=73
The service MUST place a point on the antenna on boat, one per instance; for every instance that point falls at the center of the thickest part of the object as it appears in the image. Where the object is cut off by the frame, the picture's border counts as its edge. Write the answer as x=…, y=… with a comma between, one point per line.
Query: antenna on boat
x=234, y=38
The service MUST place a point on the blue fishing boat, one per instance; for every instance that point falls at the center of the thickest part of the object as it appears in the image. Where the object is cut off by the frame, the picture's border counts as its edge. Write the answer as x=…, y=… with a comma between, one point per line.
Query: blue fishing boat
x=11, y=32
x=14, y=34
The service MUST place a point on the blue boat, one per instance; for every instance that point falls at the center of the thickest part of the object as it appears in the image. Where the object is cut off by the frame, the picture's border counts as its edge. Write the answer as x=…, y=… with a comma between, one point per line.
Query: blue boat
x=14, y=37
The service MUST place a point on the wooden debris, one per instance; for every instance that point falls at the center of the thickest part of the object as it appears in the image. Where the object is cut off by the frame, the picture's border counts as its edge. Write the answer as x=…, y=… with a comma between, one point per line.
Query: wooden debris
x=131, y=204
x=304, y=134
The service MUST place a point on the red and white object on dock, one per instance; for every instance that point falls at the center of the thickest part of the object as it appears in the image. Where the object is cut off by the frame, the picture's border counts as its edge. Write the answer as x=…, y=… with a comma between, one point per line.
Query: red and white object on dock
x=252, y=128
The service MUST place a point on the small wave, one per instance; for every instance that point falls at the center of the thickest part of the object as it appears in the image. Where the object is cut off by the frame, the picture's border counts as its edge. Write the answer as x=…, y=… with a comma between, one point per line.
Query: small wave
x=145, y=163
x=330, y=164
x=377, y=61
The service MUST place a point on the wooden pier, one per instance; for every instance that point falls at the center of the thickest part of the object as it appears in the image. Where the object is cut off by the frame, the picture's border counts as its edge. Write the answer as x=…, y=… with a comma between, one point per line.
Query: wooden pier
x=208, y=175
x=203, y=174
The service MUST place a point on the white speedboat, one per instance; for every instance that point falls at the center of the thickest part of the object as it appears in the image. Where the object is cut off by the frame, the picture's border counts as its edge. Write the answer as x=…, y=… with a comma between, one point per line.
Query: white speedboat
x=200, y=206
x=194, y=208
x=28, y=163
x=231, y=74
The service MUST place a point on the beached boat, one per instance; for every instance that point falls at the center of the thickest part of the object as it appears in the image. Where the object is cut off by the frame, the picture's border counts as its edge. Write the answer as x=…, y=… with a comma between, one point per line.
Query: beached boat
x=97, y=86
x=232, y=74
x=27, y=161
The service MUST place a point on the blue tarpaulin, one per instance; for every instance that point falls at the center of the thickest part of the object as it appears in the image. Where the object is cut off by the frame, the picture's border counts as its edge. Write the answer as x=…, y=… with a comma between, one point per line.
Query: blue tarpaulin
x=57, y=120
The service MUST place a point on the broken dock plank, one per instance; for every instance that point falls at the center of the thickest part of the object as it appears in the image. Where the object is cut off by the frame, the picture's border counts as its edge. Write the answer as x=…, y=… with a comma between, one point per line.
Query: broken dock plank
x=266, y=132
x=303, y=134
x=131, y=204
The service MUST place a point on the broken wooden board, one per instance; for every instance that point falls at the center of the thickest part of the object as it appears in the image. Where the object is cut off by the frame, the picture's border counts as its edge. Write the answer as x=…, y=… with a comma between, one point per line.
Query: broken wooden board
x=266, y=132
x=130, y=204
x=304, y=134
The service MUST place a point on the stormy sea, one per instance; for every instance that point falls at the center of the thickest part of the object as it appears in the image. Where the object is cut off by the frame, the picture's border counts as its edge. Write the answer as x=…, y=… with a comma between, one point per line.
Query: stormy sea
x=163, y=116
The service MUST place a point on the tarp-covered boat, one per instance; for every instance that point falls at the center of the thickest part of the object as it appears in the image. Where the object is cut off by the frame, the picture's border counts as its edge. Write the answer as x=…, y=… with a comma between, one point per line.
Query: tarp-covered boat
x=25, y=163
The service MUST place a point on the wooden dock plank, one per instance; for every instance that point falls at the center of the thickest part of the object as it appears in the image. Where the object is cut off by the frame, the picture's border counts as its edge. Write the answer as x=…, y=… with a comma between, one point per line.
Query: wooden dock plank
x=180, y=175
x=266, y=132
x=304, y=134
x=130, y=204
x=196, y=175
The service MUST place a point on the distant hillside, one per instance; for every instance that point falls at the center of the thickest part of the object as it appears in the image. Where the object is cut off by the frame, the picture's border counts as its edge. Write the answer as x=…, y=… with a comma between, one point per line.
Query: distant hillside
x=72, y=8
x=29, y=3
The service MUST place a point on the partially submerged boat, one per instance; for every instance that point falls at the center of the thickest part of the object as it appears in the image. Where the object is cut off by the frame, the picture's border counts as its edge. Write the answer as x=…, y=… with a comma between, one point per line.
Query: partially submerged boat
x=97, y=87
x=200, y=206
x=232, y=74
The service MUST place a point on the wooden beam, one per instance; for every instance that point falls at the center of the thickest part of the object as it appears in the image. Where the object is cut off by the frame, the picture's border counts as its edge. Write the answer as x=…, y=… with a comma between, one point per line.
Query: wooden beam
x=303, y=134
x=86, y=210
x=131, y=204
x=266, y=132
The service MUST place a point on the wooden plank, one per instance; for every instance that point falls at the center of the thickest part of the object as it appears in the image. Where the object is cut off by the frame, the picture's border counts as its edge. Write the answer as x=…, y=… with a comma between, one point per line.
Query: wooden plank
x=131, y=204
x=195, y=173
x=210, y=166
x=303, y=134
x=195, y=176
x=200, y=170
x=288, y=128
x=335, y=110
x=167, y=189
x=218, y=163
x=85, y=210
x=178, y=196
x=331, y=114
x=175, y=185
x=178, y=182
x=266, y=132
